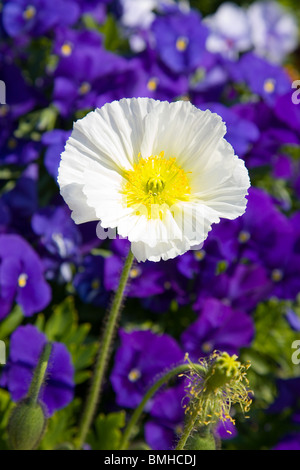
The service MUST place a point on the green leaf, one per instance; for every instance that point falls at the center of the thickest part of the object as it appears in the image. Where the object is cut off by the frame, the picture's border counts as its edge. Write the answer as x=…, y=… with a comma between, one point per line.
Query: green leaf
x=63, y=326
x=6, y=406
x=61, y=426
x=61, y=321
x=107, y=434
x=83, y=357
x=113, y=41
x=10, y=323
x=33, y=124
x=273, y=350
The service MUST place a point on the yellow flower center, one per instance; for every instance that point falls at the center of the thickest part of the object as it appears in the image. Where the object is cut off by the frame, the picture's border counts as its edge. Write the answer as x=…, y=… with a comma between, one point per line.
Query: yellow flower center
x=277, y=275
x=95, y=284
x=84, y=88
x=22, y=280
x=29, y=13
x=66, y=49
x=3, y=110
x=134, y=375
x=207, y=347
x=154, y=185
x=182, y=43
x=243, y=236
x=269, y=85
x=199, y=255
x=134, y=273
x=152, y=84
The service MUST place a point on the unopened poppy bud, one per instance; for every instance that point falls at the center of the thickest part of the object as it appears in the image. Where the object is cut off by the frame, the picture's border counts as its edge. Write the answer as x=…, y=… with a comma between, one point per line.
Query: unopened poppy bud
x=201, y=441
x=27, y=425
x=27, y=422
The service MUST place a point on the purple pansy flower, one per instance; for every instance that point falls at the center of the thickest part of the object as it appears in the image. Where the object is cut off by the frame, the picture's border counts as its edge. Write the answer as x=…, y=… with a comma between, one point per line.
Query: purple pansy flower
x=5, y=217
x=59, y=240
x=140, y=359
x=21, y=277
x=219, y=327
x=87, y=75
x=241, y=133
x=89, y=281
x=180, y=39
x=204, y=260
x=287, y=395
x=55, y=142
x=154, y=80
x=208, y=84
x=36, y=17
x=22, y=200
x=256, y=234
x=95, y=8
x=166, y=423
x=289, y=442
x=26, y=345
x=288, y=112
x=225, y=430
x=241, y=287
x=145, y=280
x=157, y=284
x=265, y=79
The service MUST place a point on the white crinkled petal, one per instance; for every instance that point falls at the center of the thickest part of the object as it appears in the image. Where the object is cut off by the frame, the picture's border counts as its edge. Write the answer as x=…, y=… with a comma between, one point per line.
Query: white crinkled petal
x=162, y=251
x=109, y=137
x=223, y=187
x=182, y=131
x=74, y=197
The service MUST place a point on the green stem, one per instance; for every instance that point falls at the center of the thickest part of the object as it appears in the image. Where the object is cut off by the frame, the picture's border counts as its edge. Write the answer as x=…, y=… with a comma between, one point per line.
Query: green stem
x=103, y=354
x=188, y=428
x=149, y=394
x=39, y=374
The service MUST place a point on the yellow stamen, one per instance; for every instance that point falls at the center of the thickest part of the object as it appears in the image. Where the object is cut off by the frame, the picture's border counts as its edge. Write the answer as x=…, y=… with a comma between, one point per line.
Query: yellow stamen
x=243, y=236
x=276, y=275
x=95, y=284
x=154, y=185
x=134, y=375
x=152, y=84
x=182, y=43
x=207, y=347
x=134, y=273
x=269, y=85
x=22, y=280
x=3, y=110
x=84, y=88
x=199, y=255
x=66, y=49
x=29, y=13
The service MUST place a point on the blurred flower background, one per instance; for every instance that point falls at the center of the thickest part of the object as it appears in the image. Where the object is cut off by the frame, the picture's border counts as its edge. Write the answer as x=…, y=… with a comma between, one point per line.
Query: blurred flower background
x=239, y=293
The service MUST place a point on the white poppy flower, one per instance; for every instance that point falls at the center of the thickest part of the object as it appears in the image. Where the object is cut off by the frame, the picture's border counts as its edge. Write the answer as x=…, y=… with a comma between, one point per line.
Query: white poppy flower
x=160, y=173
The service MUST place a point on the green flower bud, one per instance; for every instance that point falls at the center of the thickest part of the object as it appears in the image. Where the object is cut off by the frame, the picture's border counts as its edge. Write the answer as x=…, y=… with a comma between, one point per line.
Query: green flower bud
x=201, y=441
x=27, y=422
x=27, y=425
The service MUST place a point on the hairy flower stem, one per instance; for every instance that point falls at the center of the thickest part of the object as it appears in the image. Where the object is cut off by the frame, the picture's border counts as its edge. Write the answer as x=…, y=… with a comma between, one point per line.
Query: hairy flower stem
x=149, y=394
x=190, y=425
x=103, y=355
x=39, y=374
